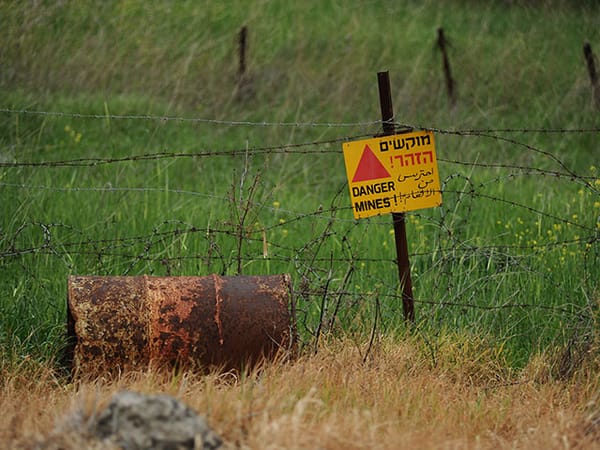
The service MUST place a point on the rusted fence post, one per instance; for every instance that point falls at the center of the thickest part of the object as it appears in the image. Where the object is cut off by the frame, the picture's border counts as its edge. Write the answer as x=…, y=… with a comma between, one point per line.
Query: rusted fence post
x=387, y=117
x=591, y=66
x=442, y=42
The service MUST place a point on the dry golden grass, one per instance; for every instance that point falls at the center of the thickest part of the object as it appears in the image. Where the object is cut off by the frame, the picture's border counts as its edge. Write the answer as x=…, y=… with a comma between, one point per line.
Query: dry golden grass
x=334, y=400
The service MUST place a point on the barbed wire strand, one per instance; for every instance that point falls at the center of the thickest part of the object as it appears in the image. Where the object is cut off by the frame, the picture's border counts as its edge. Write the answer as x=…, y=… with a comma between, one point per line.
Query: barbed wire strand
x=398, y=125
x=144, y=248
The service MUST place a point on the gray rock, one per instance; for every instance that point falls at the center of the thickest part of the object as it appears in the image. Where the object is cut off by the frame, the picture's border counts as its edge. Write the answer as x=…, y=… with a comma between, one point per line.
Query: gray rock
x=159, y=422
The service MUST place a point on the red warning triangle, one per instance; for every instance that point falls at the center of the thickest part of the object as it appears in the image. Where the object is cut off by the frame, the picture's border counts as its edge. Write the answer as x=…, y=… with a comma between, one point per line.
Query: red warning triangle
x=369, y=167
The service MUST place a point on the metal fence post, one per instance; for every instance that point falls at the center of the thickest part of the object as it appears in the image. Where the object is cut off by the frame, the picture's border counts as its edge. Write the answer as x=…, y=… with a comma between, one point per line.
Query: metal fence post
x=387, y=116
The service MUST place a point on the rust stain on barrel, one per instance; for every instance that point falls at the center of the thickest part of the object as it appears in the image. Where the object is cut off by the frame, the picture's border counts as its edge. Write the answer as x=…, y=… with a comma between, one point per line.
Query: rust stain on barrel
x=218, y=301
x=120, y=323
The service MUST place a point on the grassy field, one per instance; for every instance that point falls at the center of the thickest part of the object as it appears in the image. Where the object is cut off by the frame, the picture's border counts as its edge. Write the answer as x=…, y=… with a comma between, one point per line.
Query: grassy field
x=129, y=145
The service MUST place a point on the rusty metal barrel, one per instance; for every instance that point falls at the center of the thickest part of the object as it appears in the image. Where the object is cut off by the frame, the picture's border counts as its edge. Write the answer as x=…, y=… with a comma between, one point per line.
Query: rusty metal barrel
x=127, y=322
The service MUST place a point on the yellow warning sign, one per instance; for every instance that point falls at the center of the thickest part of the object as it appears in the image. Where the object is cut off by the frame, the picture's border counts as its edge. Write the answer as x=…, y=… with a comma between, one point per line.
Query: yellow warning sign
x=392, y=174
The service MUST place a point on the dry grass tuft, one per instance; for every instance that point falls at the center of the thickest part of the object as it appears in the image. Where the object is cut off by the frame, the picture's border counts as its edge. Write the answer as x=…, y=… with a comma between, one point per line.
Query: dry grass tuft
x=333, y=400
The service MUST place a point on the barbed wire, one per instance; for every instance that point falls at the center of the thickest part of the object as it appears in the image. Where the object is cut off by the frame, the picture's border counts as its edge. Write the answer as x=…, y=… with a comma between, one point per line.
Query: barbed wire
x=52, y=248
x=49, y=245
x=314, y=124
x=324, y=278
x=251, y=151
x=485, y=131
x=299, y=148
x=297, y=215
x=199, y=120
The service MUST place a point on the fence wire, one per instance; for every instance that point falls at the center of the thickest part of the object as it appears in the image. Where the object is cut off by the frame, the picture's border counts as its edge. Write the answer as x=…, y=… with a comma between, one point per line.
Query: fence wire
x=531, y=269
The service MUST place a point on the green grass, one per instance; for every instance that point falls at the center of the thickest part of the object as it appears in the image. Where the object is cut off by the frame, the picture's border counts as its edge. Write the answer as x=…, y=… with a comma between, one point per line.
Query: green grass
x=511, y=255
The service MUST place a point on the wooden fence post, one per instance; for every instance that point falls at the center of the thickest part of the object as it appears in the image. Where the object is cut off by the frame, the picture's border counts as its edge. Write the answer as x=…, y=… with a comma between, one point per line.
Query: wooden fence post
x=441, y=42
x=242, y=47
x=591, y=66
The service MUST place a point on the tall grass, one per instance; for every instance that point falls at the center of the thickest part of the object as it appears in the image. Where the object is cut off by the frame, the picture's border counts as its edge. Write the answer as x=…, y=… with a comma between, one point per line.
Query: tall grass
x=333, y=400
